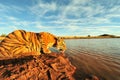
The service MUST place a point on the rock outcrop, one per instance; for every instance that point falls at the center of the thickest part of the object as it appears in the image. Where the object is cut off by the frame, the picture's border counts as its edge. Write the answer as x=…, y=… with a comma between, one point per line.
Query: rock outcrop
x=53, y=66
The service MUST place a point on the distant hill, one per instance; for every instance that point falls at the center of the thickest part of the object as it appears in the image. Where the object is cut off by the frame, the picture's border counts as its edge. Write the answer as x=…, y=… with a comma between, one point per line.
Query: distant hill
x=107, y=35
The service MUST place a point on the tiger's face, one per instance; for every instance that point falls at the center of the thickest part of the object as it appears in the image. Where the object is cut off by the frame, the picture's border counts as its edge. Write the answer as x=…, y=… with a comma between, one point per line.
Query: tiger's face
x=61, y=46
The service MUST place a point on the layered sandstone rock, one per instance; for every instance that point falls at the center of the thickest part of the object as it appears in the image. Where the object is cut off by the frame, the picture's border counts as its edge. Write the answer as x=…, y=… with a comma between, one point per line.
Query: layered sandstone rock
x=44, y=67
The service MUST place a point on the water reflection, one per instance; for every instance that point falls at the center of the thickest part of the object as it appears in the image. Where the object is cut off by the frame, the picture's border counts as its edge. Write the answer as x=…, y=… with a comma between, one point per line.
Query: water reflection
x=95, y=56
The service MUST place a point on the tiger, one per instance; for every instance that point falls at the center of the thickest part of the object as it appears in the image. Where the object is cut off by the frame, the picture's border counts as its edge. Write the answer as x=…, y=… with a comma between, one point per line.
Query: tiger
x=21, y=42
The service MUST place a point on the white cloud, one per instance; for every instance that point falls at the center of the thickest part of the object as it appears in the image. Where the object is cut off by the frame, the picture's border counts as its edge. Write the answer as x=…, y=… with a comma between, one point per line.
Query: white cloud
x=13, y=27
x=75, y=16
x=78, y=2
x=97, y=30
x=114, y=12
x=84, y=12
x=10, y=18
x=92, y=13
x=72, y=28
x=8, y=8
x=41, y=8
x=113, y=15
x=116, y=8
x=7, y=30
x=80, y=8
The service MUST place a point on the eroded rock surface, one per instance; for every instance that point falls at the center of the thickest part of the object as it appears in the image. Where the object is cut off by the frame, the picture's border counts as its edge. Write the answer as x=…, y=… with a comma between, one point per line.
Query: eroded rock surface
x=44, y=67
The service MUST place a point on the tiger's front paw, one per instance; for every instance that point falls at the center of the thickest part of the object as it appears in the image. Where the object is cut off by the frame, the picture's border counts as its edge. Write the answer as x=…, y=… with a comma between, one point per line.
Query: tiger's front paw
x=47, y=51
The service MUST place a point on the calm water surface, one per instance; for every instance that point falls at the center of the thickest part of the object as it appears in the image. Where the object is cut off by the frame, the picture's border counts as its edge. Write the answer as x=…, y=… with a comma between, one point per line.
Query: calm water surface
x=95, y=56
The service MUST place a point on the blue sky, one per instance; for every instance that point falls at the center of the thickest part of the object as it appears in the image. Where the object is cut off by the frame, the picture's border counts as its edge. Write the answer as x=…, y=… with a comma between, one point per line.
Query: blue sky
x=61, y=17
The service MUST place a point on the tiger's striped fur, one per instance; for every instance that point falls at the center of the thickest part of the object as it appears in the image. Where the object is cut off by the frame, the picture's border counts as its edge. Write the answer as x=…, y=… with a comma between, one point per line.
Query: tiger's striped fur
x=20, y=42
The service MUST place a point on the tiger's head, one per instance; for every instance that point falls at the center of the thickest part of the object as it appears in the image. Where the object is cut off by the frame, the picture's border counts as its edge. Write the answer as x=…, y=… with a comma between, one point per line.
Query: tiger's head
x=60, y=44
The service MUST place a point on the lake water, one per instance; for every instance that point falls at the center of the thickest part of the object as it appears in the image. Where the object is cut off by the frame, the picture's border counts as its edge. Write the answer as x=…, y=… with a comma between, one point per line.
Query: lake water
x=100, y=57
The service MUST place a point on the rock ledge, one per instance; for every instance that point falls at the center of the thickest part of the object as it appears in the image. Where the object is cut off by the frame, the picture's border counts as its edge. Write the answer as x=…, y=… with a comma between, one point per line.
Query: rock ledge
x=53, y=66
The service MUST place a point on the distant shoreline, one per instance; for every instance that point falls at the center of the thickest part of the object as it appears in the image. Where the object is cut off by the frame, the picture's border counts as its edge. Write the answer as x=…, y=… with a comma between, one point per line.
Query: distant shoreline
x=81, y=37
x=86, y=37
x=90, y=37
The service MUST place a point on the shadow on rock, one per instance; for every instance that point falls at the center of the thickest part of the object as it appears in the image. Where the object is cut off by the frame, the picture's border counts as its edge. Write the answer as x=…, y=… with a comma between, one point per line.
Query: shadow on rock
x=44, y=67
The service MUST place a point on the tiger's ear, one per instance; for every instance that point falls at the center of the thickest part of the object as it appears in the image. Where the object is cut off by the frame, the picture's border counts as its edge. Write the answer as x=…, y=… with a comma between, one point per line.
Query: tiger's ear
x=59, y=38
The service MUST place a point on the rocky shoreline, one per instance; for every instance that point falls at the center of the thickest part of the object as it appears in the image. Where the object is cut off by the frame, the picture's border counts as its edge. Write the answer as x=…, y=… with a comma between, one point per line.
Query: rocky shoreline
x=53, y=66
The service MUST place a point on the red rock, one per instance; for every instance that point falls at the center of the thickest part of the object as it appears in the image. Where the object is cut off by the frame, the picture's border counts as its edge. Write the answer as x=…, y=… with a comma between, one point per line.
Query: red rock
x=44, y=67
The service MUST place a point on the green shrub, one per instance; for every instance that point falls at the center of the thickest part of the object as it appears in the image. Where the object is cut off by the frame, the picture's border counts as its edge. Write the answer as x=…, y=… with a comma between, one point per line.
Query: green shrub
x=3, y=35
